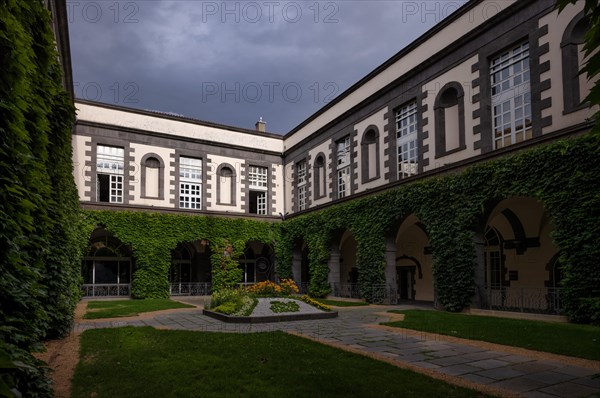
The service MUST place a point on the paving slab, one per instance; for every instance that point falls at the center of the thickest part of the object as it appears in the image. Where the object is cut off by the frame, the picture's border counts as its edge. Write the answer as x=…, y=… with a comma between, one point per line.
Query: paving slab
x=550, y=377
x=500, y=373
x=570, y=390
x=461, y=369
x=519, y=384
x=489, y=364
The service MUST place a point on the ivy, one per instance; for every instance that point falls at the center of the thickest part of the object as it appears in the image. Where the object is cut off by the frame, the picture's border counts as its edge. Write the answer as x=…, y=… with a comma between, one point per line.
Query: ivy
x=40, y=239
x=564, y=176
x=152, y=237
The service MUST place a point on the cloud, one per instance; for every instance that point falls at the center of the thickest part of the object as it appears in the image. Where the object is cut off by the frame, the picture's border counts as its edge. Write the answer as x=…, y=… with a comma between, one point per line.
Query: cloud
x=232, y=62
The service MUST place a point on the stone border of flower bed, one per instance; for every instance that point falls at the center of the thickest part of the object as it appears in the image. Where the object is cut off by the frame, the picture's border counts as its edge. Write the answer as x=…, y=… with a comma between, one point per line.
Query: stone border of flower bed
x=270, y=318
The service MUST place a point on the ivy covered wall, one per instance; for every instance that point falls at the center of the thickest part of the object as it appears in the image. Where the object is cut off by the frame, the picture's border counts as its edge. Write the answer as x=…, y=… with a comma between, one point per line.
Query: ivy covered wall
x=152, y=237
x=40, y=241
x=564, y=176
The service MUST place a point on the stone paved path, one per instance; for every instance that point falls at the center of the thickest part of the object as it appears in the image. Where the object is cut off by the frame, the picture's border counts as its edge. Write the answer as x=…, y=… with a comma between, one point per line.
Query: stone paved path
x=496, y=369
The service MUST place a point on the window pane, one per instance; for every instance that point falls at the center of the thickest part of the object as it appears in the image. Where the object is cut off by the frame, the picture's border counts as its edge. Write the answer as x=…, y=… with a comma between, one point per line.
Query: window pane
x=257, y=176
x=511, y=96
x=406, y=131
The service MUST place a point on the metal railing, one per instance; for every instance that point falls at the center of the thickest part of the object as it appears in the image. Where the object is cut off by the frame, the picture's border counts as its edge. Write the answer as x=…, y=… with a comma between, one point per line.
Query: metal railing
x=384, y=294
x=190, y=289
x=106, y=290
x=346, y=290
x=544, y=300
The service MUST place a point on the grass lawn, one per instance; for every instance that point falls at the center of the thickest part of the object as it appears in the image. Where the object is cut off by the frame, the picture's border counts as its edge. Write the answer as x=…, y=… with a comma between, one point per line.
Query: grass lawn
x=336, y=303
x=144, y=362
x=560, y=338
x=120, y=308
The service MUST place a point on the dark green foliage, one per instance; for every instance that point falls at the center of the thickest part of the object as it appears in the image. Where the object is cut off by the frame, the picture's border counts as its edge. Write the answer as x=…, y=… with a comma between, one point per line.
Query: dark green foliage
x=284, y=306
x=564, y=176
x=152, y=237
x=39, y=236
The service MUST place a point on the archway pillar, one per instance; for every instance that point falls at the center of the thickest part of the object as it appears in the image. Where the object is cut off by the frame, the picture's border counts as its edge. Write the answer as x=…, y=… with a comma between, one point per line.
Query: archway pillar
x=390, y=263
x=334, y=266
x=297, y=267
x=479, y=298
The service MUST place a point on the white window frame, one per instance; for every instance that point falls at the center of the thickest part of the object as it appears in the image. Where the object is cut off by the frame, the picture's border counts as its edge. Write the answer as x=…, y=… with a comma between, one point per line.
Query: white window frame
x=258, y=177
x=343, y=167
x=190, y=183
x=110, y=160
x=261, y=204
x=343, y=181
x=301, y=187
x=510, y=79
x=258, y=181
x=407, y=140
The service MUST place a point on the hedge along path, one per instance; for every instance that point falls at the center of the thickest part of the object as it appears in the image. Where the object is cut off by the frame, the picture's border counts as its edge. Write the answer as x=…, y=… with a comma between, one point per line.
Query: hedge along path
x=564, y=176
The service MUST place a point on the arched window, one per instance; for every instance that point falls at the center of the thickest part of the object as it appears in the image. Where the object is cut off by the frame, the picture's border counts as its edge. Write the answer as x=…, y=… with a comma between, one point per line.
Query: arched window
x=369, y=147
x=320, y=178
x=572, y=57
x=494, y=260
x=107, y=267
x=226, y=190
x=153, y=177
x=449, y=120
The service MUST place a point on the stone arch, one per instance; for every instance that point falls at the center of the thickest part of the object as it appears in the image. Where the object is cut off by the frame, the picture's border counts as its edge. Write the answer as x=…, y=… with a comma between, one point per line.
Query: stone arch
x=108, y=266
x=516, y=248
x=411, y=273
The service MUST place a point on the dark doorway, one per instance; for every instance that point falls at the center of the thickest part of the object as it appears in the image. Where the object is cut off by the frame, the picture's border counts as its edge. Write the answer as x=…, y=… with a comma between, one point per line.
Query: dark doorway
x=405, y=278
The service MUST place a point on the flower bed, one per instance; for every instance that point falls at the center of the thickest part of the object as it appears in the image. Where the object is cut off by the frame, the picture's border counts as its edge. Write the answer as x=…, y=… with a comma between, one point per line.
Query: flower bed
x=255, y=304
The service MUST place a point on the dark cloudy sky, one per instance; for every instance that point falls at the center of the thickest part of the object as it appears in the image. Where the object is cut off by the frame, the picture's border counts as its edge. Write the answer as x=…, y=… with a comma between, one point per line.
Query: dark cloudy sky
x=235, y=61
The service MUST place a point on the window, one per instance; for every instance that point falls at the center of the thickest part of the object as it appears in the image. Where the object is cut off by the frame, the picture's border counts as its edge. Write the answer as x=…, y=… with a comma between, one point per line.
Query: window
x=369, y=162
x=343, y=167
x=572, y=58
x=152, y=177
x=449, y=120
x=406, y=140
x=301, y=184
x=319, y=173
x=511, y=96
x=257, y=179
x=494, y=268
x=226, y=185
x=190, y=183
x=110, y=165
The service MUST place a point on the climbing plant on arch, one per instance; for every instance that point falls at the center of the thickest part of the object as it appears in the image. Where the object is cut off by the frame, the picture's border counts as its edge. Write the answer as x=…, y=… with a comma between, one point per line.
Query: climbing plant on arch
x=564, y=176
x=152, y=236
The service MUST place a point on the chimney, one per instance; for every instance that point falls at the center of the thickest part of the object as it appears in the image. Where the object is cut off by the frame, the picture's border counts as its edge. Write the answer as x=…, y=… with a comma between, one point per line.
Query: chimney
x=261, y=126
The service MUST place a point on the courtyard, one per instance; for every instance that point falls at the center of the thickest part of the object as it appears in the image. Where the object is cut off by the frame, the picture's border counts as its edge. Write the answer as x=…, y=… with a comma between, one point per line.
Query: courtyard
x=180, y=352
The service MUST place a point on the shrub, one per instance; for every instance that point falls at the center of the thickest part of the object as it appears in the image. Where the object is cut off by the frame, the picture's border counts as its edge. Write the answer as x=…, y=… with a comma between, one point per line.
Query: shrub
x=288, y=287
x=226, y=308
x=283, y=306
x=227, y=296
x=235, y=302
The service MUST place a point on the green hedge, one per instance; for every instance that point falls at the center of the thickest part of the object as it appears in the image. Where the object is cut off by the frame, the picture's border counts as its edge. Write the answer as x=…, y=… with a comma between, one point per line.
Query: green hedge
x=152, y=237
x=564, y=176
x=40, y=242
